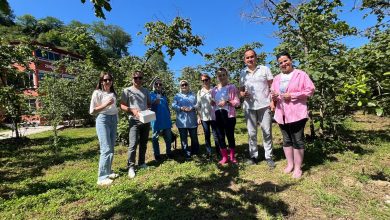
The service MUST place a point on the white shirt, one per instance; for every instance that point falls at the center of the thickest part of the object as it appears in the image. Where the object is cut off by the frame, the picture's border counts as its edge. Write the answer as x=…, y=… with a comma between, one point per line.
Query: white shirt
x=256, y=83
x=203, y=104
x=222, y=94
x=99, y=97
x=284, y=80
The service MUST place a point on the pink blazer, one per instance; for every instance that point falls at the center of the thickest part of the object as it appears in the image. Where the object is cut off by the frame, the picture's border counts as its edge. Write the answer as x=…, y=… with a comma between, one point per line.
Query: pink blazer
x=233, y=99
x=300, y=88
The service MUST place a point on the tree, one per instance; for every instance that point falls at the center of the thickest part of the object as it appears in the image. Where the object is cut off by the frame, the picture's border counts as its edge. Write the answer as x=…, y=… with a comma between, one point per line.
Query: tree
x=111, y=38
x=99, y=5
x=53, y=108
x=176, y=36
x=12, y=101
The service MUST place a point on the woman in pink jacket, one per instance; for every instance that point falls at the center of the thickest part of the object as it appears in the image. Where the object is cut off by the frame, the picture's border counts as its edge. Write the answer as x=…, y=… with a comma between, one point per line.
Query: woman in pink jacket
x=290, y=91
x=224, y=100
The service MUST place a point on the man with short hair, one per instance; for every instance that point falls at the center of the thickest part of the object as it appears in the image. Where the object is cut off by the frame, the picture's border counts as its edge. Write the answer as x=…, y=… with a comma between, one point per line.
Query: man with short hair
x=134, y=100
x=255, y=82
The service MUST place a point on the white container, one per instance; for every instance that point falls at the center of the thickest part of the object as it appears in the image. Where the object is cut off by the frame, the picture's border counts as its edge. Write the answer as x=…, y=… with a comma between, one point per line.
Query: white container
x=147, y=116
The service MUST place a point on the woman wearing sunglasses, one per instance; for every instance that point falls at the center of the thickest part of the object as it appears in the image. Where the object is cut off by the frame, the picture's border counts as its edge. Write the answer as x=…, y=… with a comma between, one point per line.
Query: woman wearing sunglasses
x=225, y=99
x=184, y=105
x=205, y=113
x=103, y=104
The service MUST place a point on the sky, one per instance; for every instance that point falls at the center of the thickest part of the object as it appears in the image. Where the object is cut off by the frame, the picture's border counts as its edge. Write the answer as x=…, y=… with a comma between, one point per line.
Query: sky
x=219, y=22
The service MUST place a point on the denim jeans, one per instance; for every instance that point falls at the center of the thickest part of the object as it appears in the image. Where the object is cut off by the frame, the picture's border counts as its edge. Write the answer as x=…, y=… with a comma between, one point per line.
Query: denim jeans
x=167, y=133
x=184, y=142
x=225, y=127
x=206, y=128
x=139, y=133
x=106, y=126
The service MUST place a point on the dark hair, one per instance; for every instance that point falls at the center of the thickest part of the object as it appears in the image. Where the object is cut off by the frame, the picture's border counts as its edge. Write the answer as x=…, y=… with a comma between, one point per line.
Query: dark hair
x=205, y=75
x=99, y=86
x=250, y=49
x=221, y=69
x=283, y=53
x=137, y=72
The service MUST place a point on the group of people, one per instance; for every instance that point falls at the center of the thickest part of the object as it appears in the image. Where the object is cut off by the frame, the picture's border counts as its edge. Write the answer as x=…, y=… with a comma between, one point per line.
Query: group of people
x=212, y=107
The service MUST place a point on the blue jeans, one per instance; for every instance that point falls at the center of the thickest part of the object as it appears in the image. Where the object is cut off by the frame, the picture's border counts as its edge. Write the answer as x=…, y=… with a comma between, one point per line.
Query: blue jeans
x=206, y=128
x=167, y=133
x=184, y=142
x=139, y=133
x=106, y=126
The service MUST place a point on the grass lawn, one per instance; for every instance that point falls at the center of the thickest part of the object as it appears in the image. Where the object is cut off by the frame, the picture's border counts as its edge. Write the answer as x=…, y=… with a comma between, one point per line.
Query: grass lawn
x=348, y=178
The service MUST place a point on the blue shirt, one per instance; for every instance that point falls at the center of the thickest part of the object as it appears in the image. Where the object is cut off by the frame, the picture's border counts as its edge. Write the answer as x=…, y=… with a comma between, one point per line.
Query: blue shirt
x=185, y=119
x=163, y=116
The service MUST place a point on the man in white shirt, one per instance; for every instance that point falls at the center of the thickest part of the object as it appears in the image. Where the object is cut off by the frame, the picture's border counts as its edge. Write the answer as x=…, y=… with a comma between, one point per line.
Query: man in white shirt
x=255, y=82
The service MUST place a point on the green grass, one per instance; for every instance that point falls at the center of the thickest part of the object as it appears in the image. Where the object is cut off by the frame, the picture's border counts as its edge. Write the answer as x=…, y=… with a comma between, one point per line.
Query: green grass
x=347, y=178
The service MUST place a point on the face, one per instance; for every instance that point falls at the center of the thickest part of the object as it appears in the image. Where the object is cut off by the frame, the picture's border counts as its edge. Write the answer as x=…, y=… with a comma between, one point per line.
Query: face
x=137, y=79
x=205, y=81
x=184, y=86
x=158, y=85
x=250, y=58
x=107, y=81
x=285, y=64
x=222, y=77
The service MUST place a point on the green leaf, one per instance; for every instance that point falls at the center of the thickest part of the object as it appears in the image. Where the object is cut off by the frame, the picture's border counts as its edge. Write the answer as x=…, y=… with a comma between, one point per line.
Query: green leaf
x=359, y=103
x=379, y=111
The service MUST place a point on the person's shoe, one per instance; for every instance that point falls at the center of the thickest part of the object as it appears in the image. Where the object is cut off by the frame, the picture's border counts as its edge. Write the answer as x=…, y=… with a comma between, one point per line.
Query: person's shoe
x=170, y=156
x=113, y=176
x=105, y=182
x=232, y=156
x=131, y=173
x=157, y=158
x=143, y=166
x=270, y=163
x=251, y=161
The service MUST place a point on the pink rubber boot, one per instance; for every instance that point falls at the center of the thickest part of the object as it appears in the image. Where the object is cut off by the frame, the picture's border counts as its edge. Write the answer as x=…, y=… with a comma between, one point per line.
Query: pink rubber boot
x=232, y=155
x=298, y=159
x=224, y=157
x=288, y=152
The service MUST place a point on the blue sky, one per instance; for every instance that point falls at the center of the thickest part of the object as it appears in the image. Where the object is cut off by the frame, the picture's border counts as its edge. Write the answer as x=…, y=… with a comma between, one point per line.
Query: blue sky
x=219, y=22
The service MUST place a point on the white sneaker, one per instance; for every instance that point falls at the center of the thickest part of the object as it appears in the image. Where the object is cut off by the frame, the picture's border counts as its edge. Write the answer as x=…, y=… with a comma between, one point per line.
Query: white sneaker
x=143, y=166
x=113, y=176
x=131, y=173
x=105, y=182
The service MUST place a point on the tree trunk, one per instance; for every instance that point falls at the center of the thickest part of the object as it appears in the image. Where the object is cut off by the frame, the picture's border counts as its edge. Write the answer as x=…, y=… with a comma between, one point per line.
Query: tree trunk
x=15, y=123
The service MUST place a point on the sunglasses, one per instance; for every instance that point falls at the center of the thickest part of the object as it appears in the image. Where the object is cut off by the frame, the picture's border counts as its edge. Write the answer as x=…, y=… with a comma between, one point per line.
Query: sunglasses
x=137, y=77
x=205, y=80
x=221, y=75
x=184, y=84
x=158, y=84
x=107, y=80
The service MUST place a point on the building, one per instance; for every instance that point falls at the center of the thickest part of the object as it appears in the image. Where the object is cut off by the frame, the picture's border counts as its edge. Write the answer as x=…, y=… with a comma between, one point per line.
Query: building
x=43, y=66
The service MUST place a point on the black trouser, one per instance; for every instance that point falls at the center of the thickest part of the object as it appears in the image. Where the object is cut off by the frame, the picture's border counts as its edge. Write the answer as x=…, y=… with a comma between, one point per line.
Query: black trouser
x=225, y=127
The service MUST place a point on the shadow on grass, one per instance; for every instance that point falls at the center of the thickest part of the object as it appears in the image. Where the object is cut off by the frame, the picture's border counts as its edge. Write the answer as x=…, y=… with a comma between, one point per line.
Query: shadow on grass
x=29, y=158
x=219, y=196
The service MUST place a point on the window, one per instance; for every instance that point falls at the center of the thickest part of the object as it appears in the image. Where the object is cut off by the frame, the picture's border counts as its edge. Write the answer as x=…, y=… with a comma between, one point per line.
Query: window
x=32, y=105
x=47, y=55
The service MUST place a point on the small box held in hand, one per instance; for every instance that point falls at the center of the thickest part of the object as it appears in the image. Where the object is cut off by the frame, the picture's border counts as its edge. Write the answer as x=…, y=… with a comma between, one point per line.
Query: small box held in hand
x=147, y=116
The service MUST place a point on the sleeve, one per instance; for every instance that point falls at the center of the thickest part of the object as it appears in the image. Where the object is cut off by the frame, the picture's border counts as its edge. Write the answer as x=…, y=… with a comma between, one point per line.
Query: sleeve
x=268, y=73
x=94, y=100
x=233, y=94
x=307, y=89
x=175, y=104
x=198, y=104
x=148, y=100
x=274, y=88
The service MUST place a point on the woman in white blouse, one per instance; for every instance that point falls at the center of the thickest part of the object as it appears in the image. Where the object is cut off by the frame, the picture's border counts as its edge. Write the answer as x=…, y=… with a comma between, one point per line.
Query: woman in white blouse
x=103, y=104
x=205, y=111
